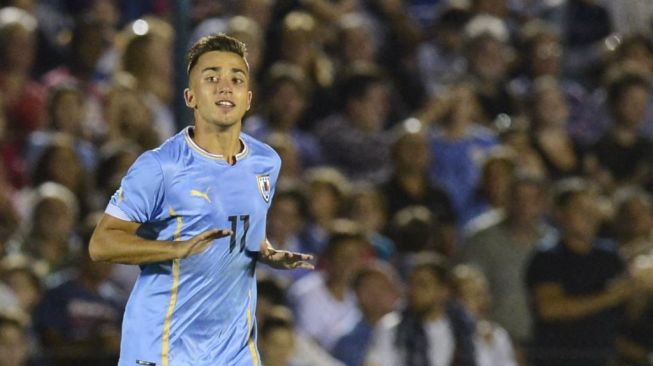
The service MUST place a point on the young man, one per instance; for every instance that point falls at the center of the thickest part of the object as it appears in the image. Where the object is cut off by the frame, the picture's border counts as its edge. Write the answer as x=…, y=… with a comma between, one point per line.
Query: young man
x=194, y=301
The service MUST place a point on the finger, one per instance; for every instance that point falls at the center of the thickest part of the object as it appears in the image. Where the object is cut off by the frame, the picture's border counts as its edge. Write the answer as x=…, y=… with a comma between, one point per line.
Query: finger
x=303, y=265
x=221, y=233
x=299, y=256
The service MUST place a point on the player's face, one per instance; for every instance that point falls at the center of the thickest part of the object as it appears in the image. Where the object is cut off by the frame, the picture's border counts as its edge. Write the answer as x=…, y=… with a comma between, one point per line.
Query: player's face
x=219, y=89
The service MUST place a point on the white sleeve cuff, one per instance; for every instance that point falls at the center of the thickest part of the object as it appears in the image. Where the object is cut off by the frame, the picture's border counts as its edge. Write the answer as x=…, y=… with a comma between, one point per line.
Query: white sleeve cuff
x=116, y=212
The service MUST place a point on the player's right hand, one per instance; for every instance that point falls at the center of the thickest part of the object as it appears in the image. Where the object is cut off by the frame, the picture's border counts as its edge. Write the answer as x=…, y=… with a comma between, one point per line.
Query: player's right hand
x=200, y=242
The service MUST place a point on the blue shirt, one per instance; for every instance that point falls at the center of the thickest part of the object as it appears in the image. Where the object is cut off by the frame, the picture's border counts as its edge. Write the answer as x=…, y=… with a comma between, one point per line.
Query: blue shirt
x=198, y=310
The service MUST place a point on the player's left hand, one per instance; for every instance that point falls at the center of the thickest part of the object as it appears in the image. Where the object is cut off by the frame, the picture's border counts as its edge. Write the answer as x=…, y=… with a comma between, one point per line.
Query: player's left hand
x=283, y=259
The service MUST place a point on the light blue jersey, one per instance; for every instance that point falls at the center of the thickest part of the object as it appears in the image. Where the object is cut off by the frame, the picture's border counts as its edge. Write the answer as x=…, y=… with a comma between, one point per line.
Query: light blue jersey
x=199, y=310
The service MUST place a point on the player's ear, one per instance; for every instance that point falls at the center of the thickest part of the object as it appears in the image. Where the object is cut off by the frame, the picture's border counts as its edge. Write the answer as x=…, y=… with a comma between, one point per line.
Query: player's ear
x=189, y=98
x=249, y=99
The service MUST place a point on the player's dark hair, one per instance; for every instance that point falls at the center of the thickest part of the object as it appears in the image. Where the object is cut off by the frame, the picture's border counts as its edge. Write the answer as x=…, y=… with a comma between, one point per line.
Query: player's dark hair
x=214, y=42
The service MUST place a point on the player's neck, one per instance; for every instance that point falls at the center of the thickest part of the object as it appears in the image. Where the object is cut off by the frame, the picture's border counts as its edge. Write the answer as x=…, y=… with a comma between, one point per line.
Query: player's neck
x=225, y=142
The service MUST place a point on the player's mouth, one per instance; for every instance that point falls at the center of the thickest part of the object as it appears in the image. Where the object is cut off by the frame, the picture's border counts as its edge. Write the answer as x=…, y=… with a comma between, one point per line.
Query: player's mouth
x=225, y=105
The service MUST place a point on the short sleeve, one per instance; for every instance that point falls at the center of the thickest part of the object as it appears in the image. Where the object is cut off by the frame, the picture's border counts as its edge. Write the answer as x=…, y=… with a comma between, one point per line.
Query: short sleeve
x=274, y=176
x=542, y=268
x=139, y=198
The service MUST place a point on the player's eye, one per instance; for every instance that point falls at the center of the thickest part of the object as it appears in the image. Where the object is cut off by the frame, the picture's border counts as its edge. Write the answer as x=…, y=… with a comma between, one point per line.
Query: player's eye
x=212, y=79
x=238, y=81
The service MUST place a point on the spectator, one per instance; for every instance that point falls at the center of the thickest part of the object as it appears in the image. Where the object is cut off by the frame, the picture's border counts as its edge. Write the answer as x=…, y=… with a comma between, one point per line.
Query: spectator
x=440, y=57
x=429, y=331
x=491, y=342
x=492, y=196
x=577, y=286
x=561, y=155
x=409, y=184
x=458, y=144
x=65, y=107
x=633, y=222
x=23, y=97
x=285, y=223
x=323, y=303
x=501, y=248
x=13, y=342
x=377, y=290
x=59, y=163
x=79, y=320
x=354, y=140
x=488, y=52
x=287, y=95
x=622, y=151
x=129, y=118
x=368, y=209
x=148, y=58
x=329, y=191
x=277, y=341
x=50, y=237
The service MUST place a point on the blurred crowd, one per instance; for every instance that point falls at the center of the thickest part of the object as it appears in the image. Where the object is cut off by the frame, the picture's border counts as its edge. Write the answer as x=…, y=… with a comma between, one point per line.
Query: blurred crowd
x=473, y=176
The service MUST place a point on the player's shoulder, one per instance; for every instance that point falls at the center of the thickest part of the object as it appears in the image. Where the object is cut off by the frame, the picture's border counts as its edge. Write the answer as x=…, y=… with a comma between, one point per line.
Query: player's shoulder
x=260, y=149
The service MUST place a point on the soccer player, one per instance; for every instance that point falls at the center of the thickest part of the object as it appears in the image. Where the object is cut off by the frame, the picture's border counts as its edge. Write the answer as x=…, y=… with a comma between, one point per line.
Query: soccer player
x=192, y=214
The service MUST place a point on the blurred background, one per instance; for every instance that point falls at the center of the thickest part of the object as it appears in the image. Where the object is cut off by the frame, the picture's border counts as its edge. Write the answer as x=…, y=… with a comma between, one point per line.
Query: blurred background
x=474, y=176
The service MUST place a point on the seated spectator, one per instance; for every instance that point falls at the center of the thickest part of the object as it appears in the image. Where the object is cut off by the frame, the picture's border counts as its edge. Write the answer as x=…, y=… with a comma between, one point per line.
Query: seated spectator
x=286, y=221
x=329, y=191
x=14, y=350
x=377, y=290
x=323, y=303
x=430, y=330
x=491, y=342
x=622, y=151
x=409, y=183
x=50, y=236
x=79, y=320
x=59, y=163
x=277, y=340
x=147, y=56
x=65, y=107
x=367, y=208
x=271, y=305
x=287, y=95
x=353, y=140
x=23, y=97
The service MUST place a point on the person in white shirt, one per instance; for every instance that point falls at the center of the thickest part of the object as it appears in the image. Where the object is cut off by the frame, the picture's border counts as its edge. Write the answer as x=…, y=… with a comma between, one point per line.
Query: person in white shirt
x=491, y=342
x=430, y=331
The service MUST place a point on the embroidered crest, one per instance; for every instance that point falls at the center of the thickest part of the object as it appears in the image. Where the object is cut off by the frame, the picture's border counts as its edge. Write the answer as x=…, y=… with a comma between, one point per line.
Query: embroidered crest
x=264, y=186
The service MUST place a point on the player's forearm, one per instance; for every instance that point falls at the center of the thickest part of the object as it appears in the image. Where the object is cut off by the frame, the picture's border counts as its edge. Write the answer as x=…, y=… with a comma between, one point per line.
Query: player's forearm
x=116, y=246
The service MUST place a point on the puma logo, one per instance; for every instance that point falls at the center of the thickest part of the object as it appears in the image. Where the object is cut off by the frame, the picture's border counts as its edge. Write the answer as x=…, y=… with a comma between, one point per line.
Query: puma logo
x=205, y=195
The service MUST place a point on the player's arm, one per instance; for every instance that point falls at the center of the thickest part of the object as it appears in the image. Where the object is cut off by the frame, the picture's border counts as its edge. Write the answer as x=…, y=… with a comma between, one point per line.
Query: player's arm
x=115, y=240
x=554, y=304
x=283, y=259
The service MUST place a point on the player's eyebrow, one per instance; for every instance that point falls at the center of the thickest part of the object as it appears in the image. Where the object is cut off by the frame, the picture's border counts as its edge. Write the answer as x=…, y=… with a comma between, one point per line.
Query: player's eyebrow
x=218, y=68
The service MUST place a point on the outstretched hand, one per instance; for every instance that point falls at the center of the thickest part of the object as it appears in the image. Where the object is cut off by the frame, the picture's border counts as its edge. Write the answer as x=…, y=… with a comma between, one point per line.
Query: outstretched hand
x=283, y=259
x=200, y=242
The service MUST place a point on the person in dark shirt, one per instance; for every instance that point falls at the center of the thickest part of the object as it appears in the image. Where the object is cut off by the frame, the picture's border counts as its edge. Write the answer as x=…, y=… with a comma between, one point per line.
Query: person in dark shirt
x=79, y=320
x=578, y=285
x=623, y=151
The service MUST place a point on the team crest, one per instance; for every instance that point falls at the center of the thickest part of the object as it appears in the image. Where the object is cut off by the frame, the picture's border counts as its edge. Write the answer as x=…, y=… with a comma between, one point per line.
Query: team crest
x=264, y=186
